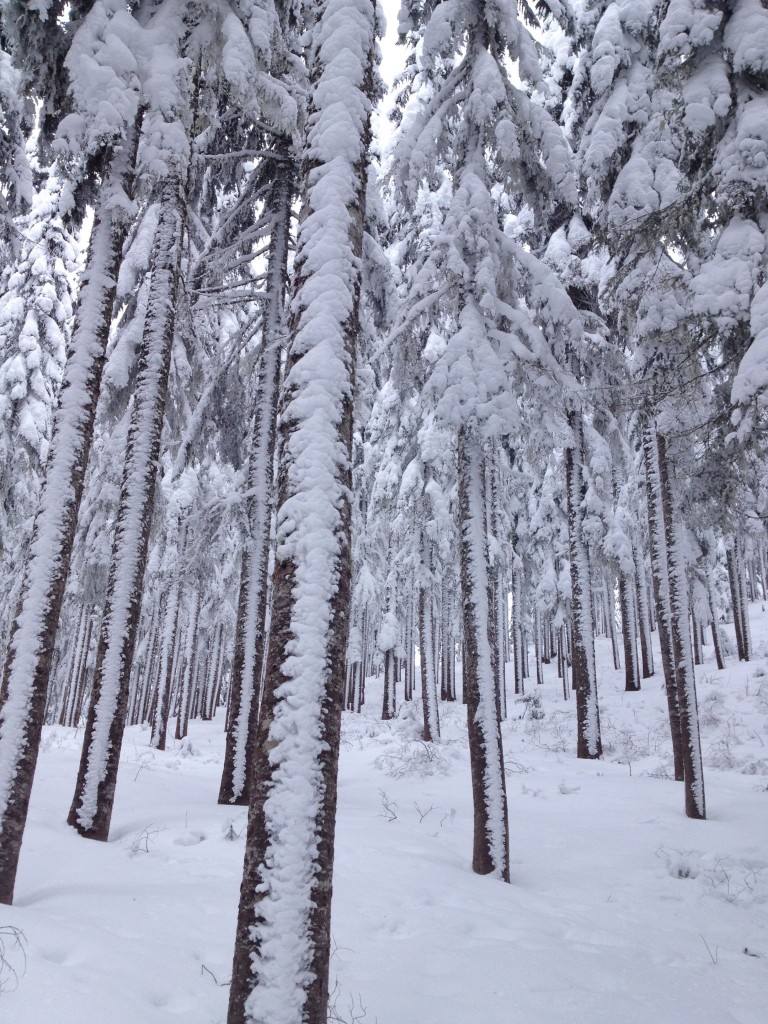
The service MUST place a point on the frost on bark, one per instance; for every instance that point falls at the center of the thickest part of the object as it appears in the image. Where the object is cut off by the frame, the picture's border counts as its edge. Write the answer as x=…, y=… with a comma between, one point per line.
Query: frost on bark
x=426, y=617
x=92, y=803
x=681, y=642
x=717, y=640
x=282, y=947
x=254, y=580
x=30, y=652
x=693, y=771
x=188, y=673
x=517, y=626
x=162, y=705
x=660, y=575
x=643, y=616
x=739, y=603
x=584, y=681
x=489, y=796
x=629, y=631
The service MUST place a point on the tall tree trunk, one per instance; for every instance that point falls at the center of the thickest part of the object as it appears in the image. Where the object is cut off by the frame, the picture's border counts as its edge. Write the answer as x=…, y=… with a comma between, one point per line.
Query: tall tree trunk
x=188, y=668
x=409, y=672
x=165, y=676
x=693, y=770
x=629, y=631
x=588, y=744
x=427, y=650
x=30, y=650
x=91, y=809
x=717, y=640
x=489, y=795
x=734, y=573
x=283, y=943
x=254, y=579
x=517, y=625
x=643, y=614
x=660, y=575
x=78, y=648
x=610, y=620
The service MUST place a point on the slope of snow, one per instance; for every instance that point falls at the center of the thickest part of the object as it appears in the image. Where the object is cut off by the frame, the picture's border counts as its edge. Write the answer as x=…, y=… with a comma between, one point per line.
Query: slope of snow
x=621, y=910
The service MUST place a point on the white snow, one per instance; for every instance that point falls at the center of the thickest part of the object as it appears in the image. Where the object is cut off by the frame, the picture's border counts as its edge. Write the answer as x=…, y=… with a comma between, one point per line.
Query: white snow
x=620, y=908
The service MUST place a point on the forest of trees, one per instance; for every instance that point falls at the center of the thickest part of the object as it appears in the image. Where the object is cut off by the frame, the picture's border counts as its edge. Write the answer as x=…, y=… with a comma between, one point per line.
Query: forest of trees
x=283, y=407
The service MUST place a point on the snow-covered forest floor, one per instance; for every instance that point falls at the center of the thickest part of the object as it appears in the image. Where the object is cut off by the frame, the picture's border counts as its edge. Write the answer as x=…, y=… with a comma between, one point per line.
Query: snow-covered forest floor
x=621, y=910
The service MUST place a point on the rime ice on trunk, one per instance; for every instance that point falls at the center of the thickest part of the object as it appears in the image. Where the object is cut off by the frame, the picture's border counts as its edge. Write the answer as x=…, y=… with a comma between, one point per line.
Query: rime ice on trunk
x=643, y=615
x=91, y=808
x=162, y=705
x=491, y=828
x=28, y=662
x=427, y=649
x=629, y=631
x=717, y=640
x=282, y=948
x=693, y=770
x=517, y=626
x=738, y=584
x=588, y=743
x=660, y=575
x=254, y=580
x=187, y=678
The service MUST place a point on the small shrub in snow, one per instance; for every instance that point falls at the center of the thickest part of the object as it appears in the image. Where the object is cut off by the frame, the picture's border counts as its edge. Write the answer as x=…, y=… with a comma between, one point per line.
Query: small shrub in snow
x=12, y=953
x=413, y=758
x=353, y=1013
x=679, y=863
x=230, y=832
x=531, y=706
x=142, y=842
x=710, y=710
x=568, y=790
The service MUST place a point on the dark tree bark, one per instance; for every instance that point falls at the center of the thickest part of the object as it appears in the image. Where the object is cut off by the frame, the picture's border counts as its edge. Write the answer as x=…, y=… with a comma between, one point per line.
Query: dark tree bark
x=91, y=809
x=660, y=575
x=693, y=770
x=643, y=616
x=629, y=632
x=30, y=651
x=282, y=948
x=431, y=730
x=254, y=579
x=588, y=744
x=489, y=796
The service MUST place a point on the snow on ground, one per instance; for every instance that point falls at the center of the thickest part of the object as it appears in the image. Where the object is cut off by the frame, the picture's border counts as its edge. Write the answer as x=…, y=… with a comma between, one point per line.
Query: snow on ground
x=621, y=910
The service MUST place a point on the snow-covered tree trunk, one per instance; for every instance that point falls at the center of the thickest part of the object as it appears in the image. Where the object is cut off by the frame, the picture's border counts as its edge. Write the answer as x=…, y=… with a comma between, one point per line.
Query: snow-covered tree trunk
x=660, y=575
x=283, y=941
x=737, y=574
x=92, y=803
x=681, y=641
x=643, y=615
x=448, y=641
x=517, y=626
x=717, y=640
x=431, y=730
x=162, y=706
x=588, y=743
x=629, y=631
x=28, y=661
x=609, y=604
x=254, y=580
x=408, y=643
x=189, y=667
x=142, y=696
x=734, y=569
x=75, y=661
x=491, y=828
